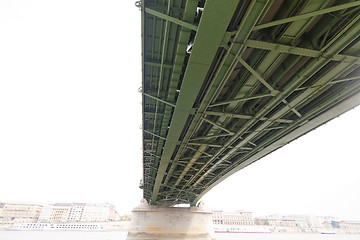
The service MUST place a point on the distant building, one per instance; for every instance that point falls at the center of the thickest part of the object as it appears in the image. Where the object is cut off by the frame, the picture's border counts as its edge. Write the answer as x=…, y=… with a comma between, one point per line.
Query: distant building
x=350, y=225
x=58, y=212
x=76, y=212
x=45, y=213
x=327, y=224
x=233, y=218
x=299, y=220
x=13, y=212
x=99, y=212
x=272, y=221
x=314, y=221
x=1, y=216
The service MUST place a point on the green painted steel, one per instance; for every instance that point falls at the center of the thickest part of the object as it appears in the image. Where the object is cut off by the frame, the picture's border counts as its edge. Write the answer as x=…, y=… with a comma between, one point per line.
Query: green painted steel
x=308, y=15
x=227, y=82
x=171, y=19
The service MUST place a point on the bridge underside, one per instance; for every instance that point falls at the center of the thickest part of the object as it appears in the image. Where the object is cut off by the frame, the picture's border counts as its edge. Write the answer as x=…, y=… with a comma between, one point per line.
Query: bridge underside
x=227, y=82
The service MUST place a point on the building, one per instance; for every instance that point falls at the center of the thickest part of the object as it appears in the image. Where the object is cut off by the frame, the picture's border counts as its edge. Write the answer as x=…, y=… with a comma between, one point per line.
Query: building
x=327, y=224
x=314, y=221
x=1, y=216
x=273, y=221
x=60, y=212
x=233, y=218
x=99, y=212
x=300, y=220
x=45, y=213
x=352, y=226
x=76, y=212
x=14, y=212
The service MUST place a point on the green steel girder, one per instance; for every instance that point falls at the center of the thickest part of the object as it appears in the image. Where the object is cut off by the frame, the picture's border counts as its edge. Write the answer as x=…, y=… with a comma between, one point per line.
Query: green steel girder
x=234, y=50
x=245, y=27
x=160, y=100
x=177, y=60
x=234, y=115
x=349, y=36
x=307, y=15
x=158, y=64
x=171, y=19
x=243, y=99
x=295, y=132
x=273, y=92
x=266, y=65
x=161, y=76
x=204, y=50
x=240, y=93
x=184, y=38
x=281, y=48
x=275, y=57
x=219, y=126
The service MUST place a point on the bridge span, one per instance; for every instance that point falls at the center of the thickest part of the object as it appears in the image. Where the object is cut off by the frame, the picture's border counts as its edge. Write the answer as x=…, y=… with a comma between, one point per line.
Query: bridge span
x=225, y=82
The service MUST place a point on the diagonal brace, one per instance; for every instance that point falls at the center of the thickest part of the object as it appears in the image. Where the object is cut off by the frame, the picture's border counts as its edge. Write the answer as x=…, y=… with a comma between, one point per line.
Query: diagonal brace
x=307, y=15
x=241, y=99
x=158, y=99
x=151, y=133
x=171, y=19
x=257, y=75
x=248, y=117
x=217, y=125
x=281, y=48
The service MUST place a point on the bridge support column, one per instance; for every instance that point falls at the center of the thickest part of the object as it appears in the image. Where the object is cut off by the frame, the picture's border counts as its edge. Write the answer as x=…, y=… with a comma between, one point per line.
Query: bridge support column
x=170, y=223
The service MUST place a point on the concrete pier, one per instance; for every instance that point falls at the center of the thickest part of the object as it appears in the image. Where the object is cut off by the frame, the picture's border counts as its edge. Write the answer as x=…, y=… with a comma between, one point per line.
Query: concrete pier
x=170, y=223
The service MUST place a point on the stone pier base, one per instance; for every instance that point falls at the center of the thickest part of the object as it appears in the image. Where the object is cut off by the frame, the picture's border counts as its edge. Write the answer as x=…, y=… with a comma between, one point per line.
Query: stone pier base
x=172, y=223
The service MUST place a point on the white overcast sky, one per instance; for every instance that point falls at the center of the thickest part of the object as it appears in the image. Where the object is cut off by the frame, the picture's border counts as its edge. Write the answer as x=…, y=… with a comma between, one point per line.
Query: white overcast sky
x=70, y=117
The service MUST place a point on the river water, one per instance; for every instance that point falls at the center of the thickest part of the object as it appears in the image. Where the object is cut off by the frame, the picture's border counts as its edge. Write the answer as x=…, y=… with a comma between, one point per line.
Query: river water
x=34, y=235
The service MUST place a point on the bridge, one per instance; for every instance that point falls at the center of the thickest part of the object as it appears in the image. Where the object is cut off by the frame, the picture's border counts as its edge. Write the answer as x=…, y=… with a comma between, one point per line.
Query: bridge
x=224, y=83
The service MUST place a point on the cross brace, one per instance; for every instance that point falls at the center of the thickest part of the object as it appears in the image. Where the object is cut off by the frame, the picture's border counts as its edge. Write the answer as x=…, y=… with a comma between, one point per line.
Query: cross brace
x=307, y=15
x=171, y=19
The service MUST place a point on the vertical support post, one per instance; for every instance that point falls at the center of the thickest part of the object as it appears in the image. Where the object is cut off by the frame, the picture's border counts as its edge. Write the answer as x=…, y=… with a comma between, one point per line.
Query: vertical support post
x=169, y=223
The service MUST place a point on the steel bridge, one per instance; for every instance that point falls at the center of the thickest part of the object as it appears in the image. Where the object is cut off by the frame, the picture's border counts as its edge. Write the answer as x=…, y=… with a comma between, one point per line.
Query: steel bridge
x=226, y=82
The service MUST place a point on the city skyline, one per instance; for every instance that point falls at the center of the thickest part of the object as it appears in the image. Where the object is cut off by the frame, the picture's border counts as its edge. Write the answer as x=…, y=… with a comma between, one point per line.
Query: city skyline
x=103, y=217
x=99, y=212
x=225, y=210
x=71, y=119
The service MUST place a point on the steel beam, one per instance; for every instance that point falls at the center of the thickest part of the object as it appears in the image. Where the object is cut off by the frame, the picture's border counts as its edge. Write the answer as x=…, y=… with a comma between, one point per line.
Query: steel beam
x=218, y=126
x=210, y=137
x=177, y=71
x=257, y=75
x=349, y=33
x=307, y=15
x=171, y=19
x=160, y=100
x=211, y=86
x=156, y=135
x=196, y=156
x=341, y=108
x=227, y=65
x=158, y=64
x=207, y=41
x=281, y=48
x=242, y=116
x=241, y=99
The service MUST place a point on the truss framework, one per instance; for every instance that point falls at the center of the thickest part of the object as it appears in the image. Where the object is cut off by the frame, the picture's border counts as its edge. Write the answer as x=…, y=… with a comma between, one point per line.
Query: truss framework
x=222, y=89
